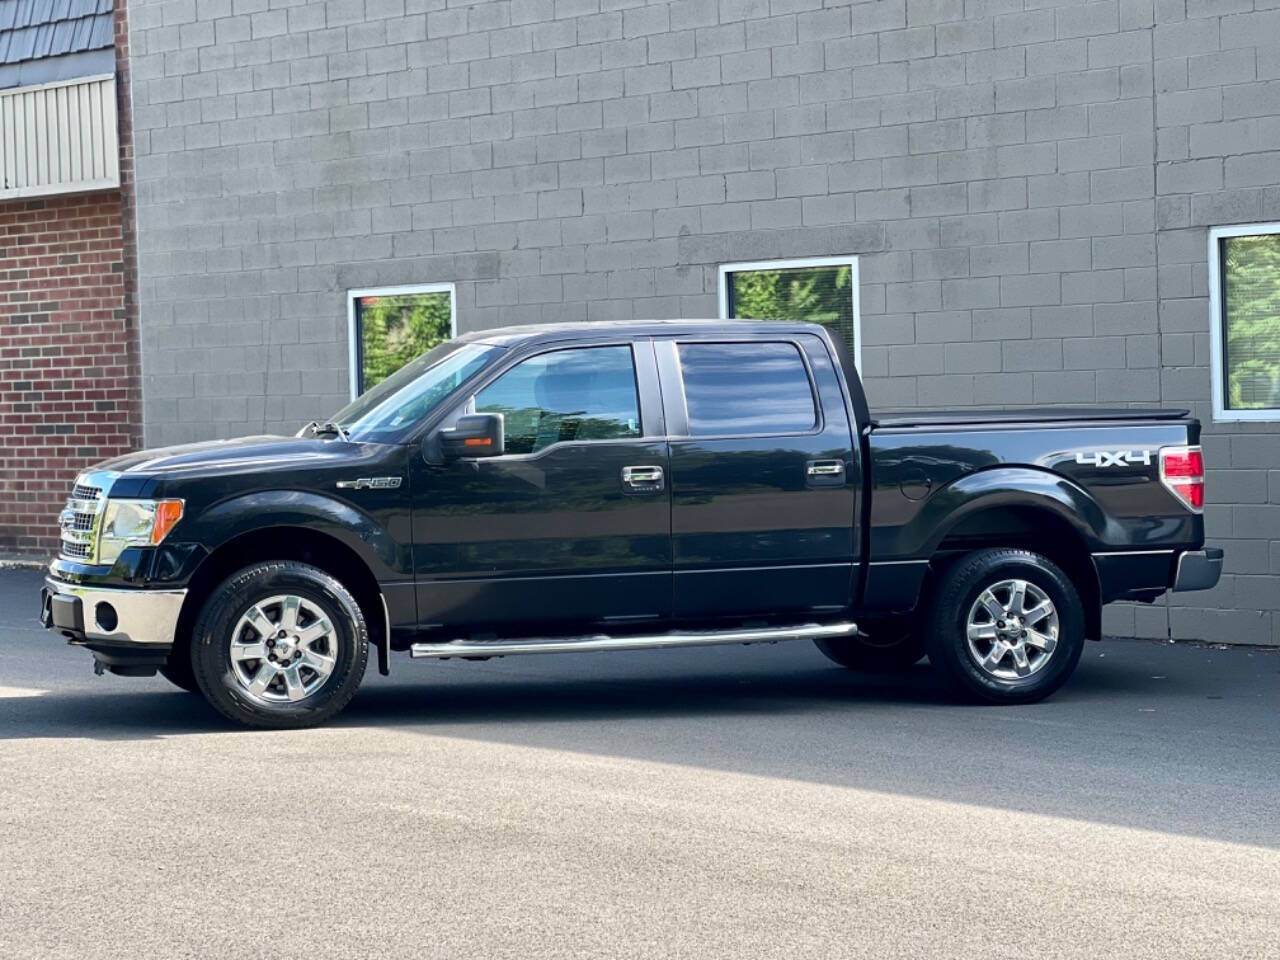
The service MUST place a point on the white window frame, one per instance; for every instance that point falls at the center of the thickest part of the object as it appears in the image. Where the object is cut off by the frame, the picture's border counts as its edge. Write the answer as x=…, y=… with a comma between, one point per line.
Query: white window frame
x=353, y=335
x=850, y=261
x=1217, y=354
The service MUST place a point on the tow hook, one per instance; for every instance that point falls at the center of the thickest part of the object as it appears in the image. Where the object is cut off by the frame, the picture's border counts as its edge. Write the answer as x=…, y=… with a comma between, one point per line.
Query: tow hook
x=46, y=608
x=98, y=668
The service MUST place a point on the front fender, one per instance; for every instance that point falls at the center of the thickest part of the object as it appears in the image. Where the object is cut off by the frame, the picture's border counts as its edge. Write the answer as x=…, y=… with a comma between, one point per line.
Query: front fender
x=260, y=510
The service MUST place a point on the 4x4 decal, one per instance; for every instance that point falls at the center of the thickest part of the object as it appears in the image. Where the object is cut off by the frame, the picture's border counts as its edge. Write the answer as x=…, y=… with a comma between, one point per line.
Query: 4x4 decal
x=1114, y=458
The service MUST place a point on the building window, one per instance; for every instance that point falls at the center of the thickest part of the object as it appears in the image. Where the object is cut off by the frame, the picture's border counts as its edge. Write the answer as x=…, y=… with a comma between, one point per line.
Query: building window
x=392, y=325
x=1244, y=296
x=819, y=290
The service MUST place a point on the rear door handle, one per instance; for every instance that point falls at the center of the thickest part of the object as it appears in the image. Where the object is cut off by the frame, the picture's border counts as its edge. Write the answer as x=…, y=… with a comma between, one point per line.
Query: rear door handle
x=644, y=479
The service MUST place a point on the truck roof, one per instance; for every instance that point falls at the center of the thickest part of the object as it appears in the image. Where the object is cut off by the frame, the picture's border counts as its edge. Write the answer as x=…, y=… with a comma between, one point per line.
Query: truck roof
x=574, y=330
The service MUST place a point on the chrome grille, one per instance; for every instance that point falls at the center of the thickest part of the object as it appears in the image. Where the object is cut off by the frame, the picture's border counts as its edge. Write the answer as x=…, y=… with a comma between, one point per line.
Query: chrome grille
x=76, y=551
x=79, y=518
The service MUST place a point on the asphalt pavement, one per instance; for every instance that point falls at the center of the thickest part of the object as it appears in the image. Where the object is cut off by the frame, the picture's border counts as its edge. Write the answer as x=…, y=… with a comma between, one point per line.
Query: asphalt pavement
x=729, y=802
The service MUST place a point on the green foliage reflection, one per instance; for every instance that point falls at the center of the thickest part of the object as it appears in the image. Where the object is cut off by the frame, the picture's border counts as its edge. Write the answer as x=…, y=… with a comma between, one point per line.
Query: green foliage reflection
x=807, y=294
x=1251, y=274
x=397, y=329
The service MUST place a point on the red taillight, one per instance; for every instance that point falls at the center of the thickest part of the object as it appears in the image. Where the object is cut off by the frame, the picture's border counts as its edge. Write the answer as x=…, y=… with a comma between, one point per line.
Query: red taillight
x=1183, y=462
x=1192, y=493
x=1182, y=472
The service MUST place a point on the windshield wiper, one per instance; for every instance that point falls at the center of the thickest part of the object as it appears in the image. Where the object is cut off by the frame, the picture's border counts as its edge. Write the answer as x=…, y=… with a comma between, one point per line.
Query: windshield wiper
x=326, y=429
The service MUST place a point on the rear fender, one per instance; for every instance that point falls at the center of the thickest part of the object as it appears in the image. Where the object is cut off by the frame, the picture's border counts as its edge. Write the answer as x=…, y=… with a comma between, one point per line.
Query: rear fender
x=1005, y=487
x=1001, y=488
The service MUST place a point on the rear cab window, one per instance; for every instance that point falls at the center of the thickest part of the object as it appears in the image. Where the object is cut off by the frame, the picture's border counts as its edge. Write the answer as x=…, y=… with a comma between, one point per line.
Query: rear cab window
x=746, y=389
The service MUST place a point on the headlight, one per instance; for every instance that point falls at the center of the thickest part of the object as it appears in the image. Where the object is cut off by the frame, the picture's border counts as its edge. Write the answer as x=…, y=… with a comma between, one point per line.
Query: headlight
x=135, y=523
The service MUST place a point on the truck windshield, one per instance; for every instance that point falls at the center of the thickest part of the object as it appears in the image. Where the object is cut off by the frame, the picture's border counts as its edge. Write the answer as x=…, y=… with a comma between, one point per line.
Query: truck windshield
x=408, y=395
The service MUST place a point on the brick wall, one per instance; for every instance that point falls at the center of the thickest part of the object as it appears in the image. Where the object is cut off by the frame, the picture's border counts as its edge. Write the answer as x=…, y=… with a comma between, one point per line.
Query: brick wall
x=68, y=381
x=1028, y=186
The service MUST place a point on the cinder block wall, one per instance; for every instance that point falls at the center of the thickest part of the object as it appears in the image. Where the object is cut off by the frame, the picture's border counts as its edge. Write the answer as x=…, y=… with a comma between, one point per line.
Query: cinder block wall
x=1028, y=186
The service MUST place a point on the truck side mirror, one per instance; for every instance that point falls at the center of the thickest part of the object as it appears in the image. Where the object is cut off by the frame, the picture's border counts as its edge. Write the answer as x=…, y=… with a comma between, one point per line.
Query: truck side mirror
x=475, y=435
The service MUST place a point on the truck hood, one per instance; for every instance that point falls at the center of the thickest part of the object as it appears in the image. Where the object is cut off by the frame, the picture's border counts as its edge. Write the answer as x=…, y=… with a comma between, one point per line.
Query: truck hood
x=218, y=456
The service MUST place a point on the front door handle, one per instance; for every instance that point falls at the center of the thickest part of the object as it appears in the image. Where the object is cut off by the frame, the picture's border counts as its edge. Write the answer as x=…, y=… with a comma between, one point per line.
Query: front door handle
x=642, y=479
x=824, y=468
x=824, y=473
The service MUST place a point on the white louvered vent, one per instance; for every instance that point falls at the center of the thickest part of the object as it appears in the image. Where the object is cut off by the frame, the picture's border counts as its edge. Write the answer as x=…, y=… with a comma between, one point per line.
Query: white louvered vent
x=59, y=138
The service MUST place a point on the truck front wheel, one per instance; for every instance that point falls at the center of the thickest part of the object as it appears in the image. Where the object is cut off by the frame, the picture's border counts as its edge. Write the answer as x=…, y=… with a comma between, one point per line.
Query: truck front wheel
x=1006, y=626
x=178, y=672
x=886, y=646
x=280, y=645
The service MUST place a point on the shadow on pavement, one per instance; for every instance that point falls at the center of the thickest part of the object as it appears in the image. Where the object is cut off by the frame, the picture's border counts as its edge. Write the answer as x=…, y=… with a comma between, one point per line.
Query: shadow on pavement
x=475, y=699
x=144, y=715
x=1161, y=738
x=634, y=697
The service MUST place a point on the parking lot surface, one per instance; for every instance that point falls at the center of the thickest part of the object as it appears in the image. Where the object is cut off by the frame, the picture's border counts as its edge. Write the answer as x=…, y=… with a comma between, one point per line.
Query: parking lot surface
x=736, y=802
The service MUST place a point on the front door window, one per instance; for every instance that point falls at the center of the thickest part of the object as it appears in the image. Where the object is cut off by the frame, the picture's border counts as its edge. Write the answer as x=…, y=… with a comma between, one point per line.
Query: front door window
x=568, y=395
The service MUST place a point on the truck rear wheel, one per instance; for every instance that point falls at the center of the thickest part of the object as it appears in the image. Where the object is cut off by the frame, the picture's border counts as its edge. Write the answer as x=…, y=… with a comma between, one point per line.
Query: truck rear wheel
x=280, y=645
x=1006, y=626
x=887, y=646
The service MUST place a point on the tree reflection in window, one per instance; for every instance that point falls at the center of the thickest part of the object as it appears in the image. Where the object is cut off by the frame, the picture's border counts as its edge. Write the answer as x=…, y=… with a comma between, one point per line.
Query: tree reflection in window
x=586, y=393
x=816, y=294
x=397, y=328
x=1251, y=322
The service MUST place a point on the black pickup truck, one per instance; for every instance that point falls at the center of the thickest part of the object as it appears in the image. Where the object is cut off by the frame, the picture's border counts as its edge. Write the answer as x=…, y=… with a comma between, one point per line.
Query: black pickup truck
x=641, y=485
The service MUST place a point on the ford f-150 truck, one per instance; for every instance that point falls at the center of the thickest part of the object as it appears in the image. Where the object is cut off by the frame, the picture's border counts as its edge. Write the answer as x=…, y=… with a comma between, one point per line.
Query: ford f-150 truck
x=622, y=486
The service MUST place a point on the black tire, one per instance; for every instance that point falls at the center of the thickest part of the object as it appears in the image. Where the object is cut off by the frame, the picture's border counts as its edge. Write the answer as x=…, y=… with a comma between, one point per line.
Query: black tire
x=887, y=646
x=178, y=670
x=211, y=646
x=957, y=597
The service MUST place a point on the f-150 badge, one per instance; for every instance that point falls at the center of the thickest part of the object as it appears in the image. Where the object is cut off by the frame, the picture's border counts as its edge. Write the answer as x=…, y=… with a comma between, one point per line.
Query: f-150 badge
x=370, y=483
x=1114, y=458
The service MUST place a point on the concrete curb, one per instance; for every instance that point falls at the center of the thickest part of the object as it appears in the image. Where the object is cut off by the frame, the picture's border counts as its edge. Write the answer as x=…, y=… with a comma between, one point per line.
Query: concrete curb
x=22, y=563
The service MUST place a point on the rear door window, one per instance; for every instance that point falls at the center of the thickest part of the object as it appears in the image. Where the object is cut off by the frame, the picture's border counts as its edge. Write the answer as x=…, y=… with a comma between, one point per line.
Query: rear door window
x=736, y=389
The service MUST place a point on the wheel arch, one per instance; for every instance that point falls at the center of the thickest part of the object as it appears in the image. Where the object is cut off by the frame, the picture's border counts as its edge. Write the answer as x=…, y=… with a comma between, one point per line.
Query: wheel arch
x=1033, y=526
x=301, y=510
x=286, y=542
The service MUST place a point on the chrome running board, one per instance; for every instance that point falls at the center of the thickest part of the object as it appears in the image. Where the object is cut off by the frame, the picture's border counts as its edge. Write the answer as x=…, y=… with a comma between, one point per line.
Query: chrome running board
x=600, y=641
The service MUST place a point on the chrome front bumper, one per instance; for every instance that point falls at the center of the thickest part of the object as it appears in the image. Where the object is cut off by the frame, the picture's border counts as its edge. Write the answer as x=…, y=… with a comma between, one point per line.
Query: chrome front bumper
x=87, y=614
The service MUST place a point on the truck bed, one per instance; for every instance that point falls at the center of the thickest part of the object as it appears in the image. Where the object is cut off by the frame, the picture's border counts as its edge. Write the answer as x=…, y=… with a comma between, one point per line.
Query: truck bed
x=942, y=418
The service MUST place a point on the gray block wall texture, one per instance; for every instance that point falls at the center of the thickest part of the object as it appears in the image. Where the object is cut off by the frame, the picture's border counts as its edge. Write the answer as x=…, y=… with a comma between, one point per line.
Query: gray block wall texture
x=1027, y=184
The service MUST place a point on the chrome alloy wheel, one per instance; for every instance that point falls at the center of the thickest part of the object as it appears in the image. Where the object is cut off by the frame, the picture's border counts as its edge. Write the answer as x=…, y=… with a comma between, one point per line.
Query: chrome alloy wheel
x=283, y=649
x=1012, y=629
